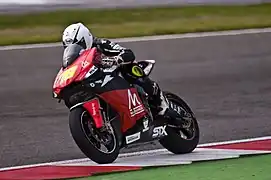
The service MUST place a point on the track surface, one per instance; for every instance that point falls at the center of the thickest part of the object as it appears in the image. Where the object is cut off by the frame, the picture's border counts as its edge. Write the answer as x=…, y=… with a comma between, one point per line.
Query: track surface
x=226, y=80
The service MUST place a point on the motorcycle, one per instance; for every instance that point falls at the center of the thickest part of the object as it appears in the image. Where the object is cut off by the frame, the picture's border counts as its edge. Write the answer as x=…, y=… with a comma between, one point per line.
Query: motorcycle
x=108, y=114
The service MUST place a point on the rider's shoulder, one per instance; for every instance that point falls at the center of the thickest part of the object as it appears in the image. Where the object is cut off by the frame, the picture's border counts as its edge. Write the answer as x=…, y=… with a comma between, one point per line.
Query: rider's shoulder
x=98, y=40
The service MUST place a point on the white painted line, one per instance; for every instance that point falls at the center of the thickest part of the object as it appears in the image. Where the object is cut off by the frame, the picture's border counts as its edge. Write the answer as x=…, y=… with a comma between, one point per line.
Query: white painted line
x=151, y=38
x=140, y=153
x=199, y=154
x=235, y=141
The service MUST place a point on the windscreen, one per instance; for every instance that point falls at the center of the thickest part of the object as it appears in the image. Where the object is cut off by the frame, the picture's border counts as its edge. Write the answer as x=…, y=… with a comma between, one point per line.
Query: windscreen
x=71, y=53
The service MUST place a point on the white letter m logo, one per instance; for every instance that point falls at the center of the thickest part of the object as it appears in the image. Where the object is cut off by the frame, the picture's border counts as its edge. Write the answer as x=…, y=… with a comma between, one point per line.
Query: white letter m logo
x=134, y=104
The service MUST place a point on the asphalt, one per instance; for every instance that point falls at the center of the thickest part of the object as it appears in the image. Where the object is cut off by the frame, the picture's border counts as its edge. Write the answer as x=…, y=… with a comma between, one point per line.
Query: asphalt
x=226, y=80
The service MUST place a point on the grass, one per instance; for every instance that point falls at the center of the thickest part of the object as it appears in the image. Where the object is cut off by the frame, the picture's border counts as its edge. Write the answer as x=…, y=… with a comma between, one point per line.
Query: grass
x=48, y=26
x=248, y=168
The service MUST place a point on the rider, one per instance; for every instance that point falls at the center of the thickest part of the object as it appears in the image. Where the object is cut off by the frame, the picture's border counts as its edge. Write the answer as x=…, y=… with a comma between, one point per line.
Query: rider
x=79, y=34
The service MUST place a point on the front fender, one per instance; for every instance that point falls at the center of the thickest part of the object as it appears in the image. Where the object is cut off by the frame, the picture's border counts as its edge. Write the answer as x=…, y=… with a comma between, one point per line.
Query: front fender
x=94, y=109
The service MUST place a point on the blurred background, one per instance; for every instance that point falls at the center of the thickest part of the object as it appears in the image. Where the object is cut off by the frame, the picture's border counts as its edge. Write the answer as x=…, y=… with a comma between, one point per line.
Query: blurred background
x=38, y=5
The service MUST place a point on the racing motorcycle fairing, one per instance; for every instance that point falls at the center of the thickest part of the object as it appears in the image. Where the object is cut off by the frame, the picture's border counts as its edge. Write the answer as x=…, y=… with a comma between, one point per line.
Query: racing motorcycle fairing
x=81, y=68
x=127, y=103
x=145, y=131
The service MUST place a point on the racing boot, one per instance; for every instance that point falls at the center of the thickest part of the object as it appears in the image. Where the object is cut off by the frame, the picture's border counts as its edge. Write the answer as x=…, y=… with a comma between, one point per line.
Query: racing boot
x=160, y=101
x=164, y=110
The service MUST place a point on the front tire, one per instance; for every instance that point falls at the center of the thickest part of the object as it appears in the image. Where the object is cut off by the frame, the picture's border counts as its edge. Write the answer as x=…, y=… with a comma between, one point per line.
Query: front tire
x=79, y=133
x=175, y=141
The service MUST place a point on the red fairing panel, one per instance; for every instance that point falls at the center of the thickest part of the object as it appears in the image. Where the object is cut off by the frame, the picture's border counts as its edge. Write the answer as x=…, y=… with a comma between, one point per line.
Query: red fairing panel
x=128, y=104
x=93, y=107
x=76, y=71
x=87, y=65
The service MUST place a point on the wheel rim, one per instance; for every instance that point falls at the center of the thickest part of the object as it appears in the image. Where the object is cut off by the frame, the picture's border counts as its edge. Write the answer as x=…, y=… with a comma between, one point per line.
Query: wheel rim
x=90, y=132
x=188, y=131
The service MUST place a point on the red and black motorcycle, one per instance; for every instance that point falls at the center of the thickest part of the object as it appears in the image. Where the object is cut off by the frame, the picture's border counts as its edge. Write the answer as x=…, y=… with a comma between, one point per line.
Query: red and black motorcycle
x=107, y=113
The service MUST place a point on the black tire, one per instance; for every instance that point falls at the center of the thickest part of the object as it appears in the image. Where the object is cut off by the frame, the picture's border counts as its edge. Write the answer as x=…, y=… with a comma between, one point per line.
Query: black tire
x=83, y=142
x=174, y=142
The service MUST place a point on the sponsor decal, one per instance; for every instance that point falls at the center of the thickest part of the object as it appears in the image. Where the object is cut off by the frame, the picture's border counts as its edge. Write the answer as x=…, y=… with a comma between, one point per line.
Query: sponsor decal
x=99, y=82
x=93, y=109
x=133, y=138
x=137, y=71
x=135, y=107
x=159, y=131
x=107, y=79
x=85, y=64
x=91, y=71
x=146, y=125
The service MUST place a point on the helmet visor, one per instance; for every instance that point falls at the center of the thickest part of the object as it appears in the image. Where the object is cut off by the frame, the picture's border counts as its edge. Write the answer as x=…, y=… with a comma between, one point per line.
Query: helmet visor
x=70, y=41
x=71, y=53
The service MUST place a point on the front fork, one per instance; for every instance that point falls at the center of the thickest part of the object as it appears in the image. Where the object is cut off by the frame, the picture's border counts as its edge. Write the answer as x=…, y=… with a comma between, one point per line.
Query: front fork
x=94, y=109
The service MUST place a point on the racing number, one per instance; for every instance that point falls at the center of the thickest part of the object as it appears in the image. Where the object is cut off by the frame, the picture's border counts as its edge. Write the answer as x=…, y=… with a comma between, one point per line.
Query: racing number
x=67, y=74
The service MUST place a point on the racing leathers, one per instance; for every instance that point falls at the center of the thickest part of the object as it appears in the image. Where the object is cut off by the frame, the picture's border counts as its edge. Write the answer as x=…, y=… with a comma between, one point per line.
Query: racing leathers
x=109, y=48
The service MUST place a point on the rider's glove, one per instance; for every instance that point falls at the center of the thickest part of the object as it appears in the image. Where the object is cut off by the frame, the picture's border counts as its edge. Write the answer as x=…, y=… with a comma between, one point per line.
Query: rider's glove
x=113, y=61
x=108, y=62
x=118, y=60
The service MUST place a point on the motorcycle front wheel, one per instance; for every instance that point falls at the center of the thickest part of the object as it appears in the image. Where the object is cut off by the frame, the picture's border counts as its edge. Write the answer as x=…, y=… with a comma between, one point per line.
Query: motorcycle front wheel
x=101, y=147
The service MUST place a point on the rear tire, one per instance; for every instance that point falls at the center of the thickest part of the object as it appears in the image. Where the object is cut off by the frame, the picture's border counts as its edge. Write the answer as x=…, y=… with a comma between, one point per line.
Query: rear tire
x=84, y=143
x=174, y=142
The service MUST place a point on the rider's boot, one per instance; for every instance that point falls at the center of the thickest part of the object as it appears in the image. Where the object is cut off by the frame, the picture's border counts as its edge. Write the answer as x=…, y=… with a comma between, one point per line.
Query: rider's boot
x=160, y=101
x=164, y=110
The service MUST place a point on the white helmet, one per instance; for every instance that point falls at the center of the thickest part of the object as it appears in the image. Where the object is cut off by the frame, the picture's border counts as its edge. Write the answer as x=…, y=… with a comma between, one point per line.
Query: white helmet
x=77, y=34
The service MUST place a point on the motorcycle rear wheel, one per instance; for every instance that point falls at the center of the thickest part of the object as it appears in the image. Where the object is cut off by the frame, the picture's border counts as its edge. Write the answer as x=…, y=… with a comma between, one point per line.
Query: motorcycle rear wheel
x=87, y=142
x=175, y=141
